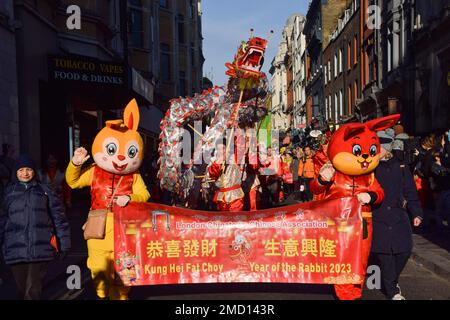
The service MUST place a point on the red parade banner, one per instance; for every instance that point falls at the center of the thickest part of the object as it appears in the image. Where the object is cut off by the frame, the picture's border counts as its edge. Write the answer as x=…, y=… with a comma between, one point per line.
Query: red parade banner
x=315, y=242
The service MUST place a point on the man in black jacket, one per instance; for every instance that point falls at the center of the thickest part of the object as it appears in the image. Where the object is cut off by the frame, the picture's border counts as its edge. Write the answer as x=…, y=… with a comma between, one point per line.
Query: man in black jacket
x=31, y=215
x=392, y=234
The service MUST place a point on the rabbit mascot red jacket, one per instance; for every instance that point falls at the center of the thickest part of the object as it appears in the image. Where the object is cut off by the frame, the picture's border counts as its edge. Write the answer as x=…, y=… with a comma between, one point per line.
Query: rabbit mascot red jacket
x=118, y=151
x=354, y=152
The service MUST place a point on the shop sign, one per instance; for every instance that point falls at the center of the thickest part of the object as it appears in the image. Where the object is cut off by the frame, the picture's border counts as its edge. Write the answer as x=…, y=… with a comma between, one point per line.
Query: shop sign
x=91, y=71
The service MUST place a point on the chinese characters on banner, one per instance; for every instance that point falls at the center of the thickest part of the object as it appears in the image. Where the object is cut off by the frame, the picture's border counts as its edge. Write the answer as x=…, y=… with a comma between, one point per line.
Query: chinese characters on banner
x=315, y=242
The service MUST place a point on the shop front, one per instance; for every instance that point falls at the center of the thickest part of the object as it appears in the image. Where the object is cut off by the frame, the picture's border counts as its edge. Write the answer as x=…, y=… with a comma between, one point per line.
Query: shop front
x=80, y=95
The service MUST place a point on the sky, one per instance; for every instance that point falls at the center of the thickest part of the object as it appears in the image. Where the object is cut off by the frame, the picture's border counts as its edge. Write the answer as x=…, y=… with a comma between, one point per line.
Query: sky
x=225, y=23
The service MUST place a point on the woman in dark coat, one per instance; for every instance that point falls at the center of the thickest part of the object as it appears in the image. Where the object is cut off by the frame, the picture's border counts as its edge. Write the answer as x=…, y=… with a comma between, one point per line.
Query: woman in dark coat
x=392, y=234
x=31, y=215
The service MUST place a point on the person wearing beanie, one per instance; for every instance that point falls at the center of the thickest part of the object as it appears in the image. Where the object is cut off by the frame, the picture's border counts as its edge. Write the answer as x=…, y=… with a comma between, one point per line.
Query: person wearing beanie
x=386, y=139
x=32, y=214
x=392, y=234
x=398, y=148
x=398, y=129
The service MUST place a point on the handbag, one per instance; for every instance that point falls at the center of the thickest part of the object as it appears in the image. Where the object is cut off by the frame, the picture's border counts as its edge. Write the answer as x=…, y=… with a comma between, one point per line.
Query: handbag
x=94, y=228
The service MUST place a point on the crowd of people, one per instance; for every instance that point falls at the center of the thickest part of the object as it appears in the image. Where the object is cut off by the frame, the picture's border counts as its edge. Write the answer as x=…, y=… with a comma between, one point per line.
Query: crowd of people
x=419, y=166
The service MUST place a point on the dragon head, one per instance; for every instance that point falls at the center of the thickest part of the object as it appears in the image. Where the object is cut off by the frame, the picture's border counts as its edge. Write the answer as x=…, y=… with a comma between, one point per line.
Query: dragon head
x=248, y=60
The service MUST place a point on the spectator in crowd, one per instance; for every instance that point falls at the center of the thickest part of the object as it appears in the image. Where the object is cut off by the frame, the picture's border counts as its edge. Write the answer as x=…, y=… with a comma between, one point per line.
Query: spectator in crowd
x=441, y=187
x=6, y=166
x=294, y=170
x=306, y=173
x=31, y=214
x=270, y=172
x=286, y=175
x=422, y=171
x=392, y=234
x=7, y=158
x=53, y=175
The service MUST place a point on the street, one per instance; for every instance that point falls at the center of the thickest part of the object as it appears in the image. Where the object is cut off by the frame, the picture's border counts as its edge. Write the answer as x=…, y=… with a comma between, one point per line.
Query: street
x=417, y=282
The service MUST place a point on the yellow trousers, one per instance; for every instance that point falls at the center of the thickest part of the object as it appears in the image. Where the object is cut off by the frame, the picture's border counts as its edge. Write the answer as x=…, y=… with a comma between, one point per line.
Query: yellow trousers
x=101, y=263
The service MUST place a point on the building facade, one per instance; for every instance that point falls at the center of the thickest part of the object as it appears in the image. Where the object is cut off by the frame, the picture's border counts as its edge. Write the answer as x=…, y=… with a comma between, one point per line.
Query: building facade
x=9, y=109
x=85, y=76
x=315, y=101
x=369, y=105
x=341, y=68
x=180, y=49
x=431, y=87
x=298, y=57
x=282, y=79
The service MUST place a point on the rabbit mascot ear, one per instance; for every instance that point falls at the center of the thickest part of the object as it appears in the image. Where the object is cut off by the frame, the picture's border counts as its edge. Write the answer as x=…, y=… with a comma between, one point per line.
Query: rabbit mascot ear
x=118, y=148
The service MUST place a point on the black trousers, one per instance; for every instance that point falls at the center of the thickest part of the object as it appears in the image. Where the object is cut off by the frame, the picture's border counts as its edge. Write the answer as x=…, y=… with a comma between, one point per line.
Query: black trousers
x=29, y=279
x=391, y=266
x=307, y=194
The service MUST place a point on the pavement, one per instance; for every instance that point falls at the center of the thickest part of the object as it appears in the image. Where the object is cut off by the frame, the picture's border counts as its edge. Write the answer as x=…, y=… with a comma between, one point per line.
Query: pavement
x=432, y=250
x=430, y=259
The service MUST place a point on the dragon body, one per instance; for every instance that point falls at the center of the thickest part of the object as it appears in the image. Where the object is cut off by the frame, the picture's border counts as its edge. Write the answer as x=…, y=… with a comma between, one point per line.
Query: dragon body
x=240, y=103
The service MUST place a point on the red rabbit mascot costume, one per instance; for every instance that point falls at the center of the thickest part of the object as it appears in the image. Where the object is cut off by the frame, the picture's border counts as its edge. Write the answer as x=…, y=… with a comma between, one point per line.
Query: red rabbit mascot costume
x=354, y=152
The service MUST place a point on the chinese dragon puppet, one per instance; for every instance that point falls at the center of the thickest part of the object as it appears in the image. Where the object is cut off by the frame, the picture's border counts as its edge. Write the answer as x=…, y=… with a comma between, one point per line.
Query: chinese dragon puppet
x=238, y=105
x=354, y=154
x=117, y=151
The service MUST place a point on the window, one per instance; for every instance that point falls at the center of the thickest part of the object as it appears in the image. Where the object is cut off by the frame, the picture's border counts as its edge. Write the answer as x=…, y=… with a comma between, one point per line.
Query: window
x=182, y=84
x=355, y=50
x=329, y=70
x=329, y=107
x=326, y=108
x=372, y=67
x=192, y=55
x=191, y=9
x=349, y=55
x=366, y=68
x=349, y=100
x=341, y=103
x=135, y=25
x=355, y=90
x=389, y=49
x=164, y=3
x=165, y=62
x=340, y=61
x=396, y=42
x=335, y=65
x=336, y=116
x=180, y=28
x=403, y=36
x=316, y=110
x=326, y=74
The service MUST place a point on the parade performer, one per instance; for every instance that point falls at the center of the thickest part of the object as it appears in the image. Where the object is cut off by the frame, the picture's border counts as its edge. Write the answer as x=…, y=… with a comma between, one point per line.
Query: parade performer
x=239, y=104
x=354, y=152
x=230, y=195
x=251, y=184
x=118, y=152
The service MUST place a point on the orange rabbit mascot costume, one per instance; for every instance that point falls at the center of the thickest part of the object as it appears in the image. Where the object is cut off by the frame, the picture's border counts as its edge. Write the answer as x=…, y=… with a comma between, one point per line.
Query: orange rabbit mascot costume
x=118, y=152
x=354, y=152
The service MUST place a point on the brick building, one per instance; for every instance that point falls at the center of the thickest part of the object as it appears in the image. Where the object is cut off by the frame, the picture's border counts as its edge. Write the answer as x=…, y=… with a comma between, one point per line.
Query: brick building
x=341, y=64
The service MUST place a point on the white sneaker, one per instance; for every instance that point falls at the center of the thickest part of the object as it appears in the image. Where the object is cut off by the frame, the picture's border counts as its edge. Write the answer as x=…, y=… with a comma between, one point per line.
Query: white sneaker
x=399, y=290
x=398, y=296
